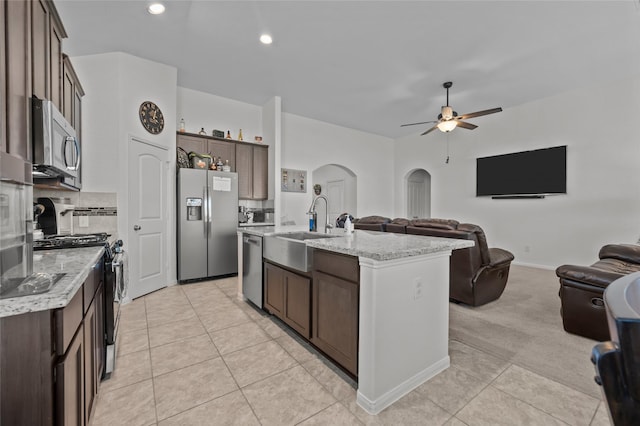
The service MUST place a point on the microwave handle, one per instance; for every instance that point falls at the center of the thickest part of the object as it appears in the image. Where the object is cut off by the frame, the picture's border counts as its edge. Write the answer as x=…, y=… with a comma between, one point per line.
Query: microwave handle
x=76, y=145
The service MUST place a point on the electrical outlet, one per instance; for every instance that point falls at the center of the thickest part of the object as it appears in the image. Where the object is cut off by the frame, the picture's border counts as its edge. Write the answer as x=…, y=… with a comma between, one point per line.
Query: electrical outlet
x=83, y=221
x=417, y=288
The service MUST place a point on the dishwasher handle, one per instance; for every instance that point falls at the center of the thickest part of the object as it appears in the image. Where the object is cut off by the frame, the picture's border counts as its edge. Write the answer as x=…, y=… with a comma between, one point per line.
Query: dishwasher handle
x=250, y=240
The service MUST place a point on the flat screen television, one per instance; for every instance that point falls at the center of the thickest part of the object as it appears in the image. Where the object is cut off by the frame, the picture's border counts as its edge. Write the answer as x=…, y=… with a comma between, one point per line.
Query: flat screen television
x=527, y=173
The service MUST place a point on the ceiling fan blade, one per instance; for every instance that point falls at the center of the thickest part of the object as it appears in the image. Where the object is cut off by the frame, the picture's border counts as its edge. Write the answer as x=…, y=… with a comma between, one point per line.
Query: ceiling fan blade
x=430, y=130
x=466, y=125
x=413, y=124
x=479, y=113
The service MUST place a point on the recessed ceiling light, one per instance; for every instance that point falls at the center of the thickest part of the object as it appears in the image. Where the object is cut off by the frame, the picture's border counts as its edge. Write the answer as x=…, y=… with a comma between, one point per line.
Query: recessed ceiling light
x=266, y=39
x=156, y=8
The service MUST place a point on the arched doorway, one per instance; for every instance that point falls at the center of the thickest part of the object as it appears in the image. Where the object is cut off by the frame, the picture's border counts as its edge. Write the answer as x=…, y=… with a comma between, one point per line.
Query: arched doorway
x=339, y=184
x=418, y=190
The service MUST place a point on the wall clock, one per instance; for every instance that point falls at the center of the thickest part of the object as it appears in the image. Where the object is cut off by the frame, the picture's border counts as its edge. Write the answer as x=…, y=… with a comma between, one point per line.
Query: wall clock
x=151, y=117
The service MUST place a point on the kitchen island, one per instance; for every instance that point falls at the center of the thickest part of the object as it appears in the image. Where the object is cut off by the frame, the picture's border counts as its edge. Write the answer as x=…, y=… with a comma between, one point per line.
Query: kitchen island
x=403, y=316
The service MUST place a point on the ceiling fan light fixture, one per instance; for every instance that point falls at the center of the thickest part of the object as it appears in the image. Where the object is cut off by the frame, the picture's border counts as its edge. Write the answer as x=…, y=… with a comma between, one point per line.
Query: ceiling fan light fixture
x=447, y=112
x=447, y=126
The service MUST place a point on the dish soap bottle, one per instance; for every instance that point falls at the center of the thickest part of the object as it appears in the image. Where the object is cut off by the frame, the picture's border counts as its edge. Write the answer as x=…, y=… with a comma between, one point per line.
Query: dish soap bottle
x=348, y=226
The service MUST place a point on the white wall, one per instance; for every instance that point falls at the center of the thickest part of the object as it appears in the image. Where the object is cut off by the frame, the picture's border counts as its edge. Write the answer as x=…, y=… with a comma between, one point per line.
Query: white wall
x=308, y=144
x=201, y=109
x=602, y=204
x=115, y=85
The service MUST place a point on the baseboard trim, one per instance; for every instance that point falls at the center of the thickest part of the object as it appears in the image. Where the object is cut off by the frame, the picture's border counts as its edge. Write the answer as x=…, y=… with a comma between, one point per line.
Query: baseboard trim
x=376, y=406
x=534, y=265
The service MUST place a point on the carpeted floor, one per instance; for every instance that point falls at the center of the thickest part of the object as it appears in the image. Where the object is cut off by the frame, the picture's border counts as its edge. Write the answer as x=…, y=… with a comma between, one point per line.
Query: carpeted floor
x=524, y=327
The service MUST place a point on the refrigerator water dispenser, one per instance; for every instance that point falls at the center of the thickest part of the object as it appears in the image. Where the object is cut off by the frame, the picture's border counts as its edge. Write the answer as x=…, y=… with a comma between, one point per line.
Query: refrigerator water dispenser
x=194, y=208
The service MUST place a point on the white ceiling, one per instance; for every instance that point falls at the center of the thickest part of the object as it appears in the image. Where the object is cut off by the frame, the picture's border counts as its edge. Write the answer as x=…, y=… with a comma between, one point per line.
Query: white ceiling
x=371, y=65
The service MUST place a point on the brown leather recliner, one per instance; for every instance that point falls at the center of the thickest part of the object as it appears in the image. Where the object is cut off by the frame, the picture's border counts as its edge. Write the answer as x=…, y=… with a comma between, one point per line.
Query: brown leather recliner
x=477, y=275
x=371, y=223
x=397, y=225
x=581, y=289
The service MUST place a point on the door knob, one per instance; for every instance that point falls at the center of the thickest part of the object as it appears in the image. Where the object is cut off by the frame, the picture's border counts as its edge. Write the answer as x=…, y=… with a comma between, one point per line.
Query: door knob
x=137, y=227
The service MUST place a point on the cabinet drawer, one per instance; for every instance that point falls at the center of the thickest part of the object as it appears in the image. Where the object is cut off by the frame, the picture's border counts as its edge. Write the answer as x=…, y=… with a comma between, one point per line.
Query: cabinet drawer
x=339, y=265
x=67, y=321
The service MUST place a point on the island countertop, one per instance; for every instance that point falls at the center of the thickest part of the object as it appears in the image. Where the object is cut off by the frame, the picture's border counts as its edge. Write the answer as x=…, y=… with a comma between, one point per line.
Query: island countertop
x=370, y=244
x=74, y=263
x=387, y=245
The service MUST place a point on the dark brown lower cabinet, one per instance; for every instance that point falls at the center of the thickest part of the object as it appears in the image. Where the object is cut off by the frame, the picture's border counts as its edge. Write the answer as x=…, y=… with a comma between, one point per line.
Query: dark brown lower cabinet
x=51, y=361
x=288, y=296
x=69, y=387
x=274, y=289
x=335, y=319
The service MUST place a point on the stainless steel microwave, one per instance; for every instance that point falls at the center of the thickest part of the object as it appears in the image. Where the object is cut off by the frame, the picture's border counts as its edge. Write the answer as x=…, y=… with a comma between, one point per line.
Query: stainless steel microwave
x=56, y=149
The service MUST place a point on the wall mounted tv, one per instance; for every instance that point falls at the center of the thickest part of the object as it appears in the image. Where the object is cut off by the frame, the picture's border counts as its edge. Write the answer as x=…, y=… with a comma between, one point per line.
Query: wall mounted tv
x=530, y=174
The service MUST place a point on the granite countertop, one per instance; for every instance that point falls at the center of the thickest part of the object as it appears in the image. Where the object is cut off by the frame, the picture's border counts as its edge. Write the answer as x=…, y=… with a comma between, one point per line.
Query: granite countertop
x=370, y=244
x=75, y=263
x=387, y=245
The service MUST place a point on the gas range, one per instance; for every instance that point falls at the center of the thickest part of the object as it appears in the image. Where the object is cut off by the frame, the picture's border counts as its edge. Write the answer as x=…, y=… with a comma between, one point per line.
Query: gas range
x=72, y=241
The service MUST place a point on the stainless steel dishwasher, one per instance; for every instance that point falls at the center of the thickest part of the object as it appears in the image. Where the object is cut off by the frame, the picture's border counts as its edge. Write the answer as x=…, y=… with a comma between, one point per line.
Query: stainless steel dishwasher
x=252, y=268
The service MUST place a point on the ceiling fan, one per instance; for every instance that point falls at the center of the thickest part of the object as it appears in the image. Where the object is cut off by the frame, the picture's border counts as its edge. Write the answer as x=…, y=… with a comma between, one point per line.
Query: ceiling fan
x=448, y=119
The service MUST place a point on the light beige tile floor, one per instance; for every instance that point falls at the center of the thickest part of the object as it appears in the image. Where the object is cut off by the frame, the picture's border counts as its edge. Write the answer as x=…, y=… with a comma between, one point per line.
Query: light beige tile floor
x=196, y=355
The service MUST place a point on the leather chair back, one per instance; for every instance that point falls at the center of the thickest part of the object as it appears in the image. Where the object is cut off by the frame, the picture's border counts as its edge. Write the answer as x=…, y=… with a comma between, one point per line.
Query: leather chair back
x=371, y=223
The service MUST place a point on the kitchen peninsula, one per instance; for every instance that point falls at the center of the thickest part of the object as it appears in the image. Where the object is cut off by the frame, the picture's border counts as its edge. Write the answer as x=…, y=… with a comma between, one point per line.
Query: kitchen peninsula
x=403, y=305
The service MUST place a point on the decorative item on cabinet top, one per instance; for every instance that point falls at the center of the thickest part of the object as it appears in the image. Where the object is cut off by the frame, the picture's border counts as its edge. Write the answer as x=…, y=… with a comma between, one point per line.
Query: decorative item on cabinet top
x=217, y=133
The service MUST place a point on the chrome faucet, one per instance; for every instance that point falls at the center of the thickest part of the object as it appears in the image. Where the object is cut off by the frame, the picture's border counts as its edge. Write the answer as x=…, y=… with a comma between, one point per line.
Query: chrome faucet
x=312, y=211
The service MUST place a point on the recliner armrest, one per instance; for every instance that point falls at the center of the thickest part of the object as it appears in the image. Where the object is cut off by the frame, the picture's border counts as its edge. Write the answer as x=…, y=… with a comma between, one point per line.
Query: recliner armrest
x=587, y=275
x=498, y=256
x=625, y=252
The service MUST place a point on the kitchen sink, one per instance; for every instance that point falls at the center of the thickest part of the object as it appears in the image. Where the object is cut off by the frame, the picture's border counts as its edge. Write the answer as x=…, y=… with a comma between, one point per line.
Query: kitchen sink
x=289, y=249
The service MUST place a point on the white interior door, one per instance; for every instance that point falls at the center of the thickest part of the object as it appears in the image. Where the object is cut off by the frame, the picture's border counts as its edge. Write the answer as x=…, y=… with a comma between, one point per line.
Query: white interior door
x=147, y=218
x=335, y=194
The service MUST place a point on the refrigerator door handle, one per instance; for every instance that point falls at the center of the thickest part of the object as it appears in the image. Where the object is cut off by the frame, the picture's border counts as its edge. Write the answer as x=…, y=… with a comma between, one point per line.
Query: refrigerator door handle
x=209, y=208
x=205, y=212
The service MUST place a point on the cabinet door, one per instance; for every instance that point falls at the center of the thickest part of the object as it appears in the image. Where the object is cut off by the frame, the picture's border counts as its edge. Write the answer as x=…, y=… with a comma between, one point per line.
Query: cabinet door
x=260, y=172
x=40, y=49
x=274, y=289
x=77, y=110
x=55, y=61
x=90, y=367
x=226, y=150
x=297, y=313
x=189, y=143
x=244, y=167
x=67, y=92
x=335, y=319
x=70, y=384
x=15, y=153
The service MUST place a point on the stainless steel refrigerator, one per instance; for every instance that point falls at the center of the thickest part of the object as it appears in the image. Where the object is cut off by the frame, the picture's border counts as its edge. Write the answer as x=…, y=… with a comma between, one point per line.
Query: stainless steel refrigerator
x=207, y=222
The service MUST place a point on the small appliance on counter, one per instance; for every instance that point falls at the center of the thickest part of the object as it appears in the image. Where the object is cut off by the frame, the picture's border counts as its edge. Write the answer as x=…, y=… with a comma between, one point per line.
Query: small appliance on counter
x=57, y=217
